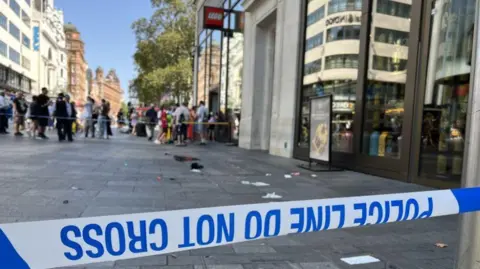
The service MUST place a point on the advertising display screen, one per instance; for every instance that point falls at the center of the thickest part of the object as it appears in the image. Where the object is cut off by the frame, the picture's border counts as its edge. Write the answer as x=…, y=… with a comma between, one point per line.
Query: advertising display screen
x=320, y=126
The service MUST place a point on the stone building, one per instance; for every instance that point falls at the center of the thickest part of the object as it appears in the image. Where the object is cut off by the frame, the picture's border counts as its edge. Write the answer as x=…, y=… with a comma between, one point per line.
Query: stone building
x=77, y=65
x=105, y=87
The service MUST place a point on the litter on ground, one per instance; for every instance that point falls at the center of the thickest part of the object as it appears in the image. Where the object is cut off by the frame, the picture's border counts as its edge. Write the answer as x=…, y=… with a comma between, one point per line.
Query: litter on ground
x=260, y=184
x=288, y=176
x=196, y=171
x=271, y=196
x=441, y=245
x=268, y=175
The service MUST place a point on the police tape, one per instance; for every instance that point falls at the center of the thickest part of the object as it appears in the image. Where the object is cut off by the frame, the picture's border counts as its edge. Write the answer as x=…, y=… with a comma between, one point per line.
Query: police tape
x=69, y=242
x=105, y=120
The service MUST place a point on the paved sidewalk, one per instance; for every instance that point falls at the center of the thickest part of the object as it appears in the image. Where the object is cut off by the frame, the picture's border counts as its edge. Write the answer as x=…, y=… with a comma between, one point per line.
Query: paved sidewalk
x=117, y=176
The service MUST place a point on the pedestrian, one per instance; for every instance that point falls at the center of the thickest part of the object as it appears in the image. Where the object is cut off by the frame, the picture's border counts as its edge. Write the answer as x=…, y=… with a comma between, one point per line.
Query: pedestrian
x=109, y=122
x=120, y=119
x=163, y=126
x=3, y=113
x=95, y=116
x=133, y=123
x=88, y=116
x=130, y=112
x=20, y=108
x=61, y=114
x=202, y=117
x=43, y=102
x=102, y=119
x=182, y=115
x=71, y=118
x=211, y=127
x=32, y=115
x=152, y=121
x=51, y=121
x=191, y=125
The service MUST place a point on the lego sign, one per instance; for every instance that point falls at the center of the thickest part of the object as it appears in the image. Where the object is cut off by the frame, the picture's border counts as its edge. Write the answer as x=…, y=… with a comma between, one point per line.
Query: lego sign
x=213, y=18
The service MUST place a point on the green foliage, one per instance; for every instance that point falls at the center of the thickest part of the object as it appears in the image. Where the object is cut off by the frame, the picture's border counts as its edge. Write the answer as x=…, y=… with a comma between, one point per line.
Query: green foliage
x=165, y=43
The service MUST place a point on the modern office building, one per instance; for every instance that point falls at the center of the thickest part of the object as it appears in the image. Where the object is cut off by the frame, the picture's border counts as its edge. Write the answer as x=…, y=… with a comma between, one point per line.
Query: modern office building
x=399, y=76
x=16, y=48
x=50, y=60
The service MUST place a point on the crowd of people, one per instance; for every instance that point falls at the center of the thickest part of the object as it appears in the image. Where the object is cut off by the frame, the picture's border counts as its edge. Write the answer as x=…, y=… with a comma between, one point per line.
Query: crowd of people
x=178, y=124
x=41, y=113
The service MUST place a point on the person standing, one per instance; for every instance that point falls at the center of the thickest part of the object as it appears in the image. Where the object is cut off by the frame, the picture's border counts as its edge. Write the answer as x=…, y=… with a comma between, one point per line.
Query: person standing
x=88, y=116
x=32, y=114
x=130, y=112
x=120, y=119
x=102, y=118
x=152, y=118
x=191, y=125
x=71, y=117
x=3, y=113
x=109, y=122
x=60, y=113
x=43, y=114
x=182, y=116
x=20, y=108
x=202, y=117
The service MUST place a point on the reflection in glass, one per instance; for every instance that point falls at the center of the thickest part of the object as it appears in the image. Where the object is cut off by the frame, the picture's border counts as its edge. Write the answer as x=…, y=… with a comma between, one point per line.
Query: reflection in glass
x=386, y=78
x=321, y=74
x=447, y=89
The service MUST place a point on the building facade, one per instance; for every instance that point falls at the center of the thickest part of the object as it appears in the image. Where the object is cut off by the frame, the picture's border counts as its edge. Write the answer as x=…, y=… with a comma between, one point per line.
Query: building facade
x=77, y=65
x=50, y=61
x=106, y=87
x=16, y=49
x=399, y=77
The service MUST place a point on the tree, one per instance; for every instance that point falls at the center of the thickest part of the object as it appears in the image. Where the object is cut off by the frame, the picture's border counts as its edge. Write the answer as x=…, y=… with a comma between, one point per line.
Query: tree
x=164, y=50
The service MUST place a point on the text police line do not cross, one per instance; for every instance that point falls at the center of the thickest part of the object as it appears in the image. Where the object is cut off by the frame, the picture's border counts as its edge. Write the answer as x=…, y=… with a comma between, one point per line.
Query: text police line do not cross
x=68, y=242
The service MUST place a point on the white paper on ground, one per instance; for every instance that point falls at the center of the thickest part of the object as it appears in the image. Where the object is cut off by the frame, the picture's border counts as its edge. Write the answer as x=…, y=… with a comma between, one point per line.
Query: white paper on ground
x=271, y=196
x=196, y=171
x=288, y=176
x=260, y=184
x=360, y=260
x=246, y=182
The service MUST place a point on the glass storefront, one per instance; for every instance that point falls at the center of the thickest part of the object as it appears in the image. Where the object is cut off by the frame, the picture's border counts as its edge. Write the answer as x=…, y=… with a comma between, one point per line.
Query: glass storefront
x=220, y=70
x=383, y=113
x=411, y=123
x=331, y=67
x=447, y=88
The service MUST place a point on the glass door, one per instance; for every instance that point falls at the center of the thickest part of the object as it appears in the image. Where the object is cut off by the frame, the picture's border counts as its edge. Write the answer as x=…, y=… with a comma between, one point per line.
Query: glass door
x=445, y=91
x=388, y=87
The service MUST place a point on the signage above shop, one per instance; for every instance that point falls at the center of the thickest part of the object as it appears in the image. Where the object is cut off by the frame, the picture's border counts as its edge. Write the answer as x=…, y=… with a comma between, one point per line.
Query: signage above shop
x=213, y=18
x=350, y=18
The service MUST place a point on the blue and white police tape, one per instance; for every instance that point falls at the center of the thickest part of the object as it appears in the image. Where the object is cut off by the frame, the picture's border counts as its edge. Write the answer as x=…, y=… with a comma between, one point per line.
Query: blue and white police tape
x=68, y=242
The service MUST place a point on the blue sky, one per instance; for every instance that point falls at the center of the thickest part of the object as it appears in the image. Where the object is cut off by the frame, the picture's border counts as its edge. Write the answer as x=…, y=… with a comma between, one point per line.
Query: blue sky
x=105, y=27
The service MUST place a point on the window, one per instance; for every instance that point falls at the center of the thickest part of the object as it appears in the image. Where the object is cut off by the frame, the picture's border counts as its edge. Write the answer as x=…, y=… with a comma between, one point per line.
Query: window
x=389, y=64
x=3, y=21
x=14, y=31
x=25, y=63
x=25, y=41
x=61, y=57
x=25, y=18
x=335, y=6
x=343, y=33
x=316, y=15
x=15, y=7
x=313, y=67
x=61, y=73
x=3, y=49
x=314, y=42
x=394, y=8
x=14, y=55
x=29, y=3
x=341, y=61
x=391, y=36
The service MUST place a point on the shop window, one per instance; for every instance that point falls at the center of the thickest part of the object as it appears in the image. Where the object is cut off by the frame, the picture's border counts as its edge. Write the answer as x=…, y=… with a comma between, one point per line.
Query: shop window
x=3, y=49
x=313, y=67
x=342, y=61
x=316, y=15
x=335, y=6
x=14, y=55
x=343, y=33
x=389, y=64
x=446, y=92
x=343, y=90
x=384, y=100
x=314, y=42
x=14, y=31
x=3, y=21
x=394, y=8
x=390, y=36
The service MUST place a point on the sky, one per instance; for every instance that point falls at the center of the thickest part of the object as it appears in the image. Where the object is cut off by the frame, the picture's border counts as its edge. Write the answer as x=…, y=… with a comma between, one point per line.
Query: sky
x=105, y=27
